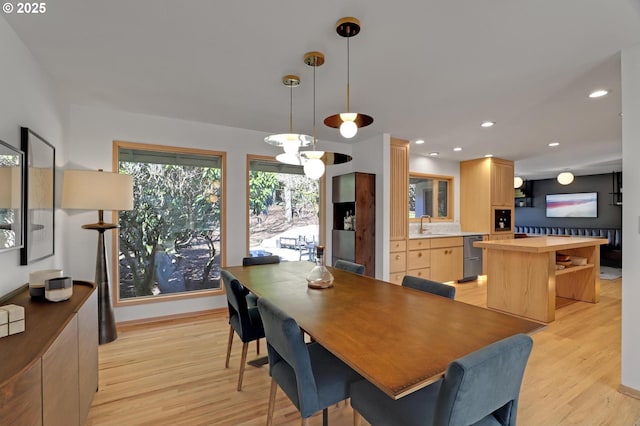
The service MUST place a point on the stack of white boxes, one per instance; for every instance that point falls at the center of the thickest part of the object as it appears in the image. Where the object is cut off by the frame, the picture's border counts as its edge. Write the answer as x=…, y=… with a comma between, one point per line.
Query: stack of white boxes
x=11, y=320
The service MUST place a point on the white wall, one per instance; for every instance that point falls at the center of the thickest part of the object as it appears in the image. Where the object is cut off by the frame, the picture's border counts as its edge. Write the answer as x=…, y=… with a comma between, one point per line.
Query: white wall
x=368, y=157
x=435, y=166
x=630, y=217
x=89, y=146
x=28, y=99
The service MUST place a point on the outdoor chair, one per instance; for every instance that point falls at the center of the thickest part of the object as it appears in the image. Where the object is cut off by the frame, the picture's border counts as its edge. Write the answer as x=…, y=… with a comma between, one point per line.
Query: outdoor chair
x=260, y=260
x=243, y=320
x=429, y=286
x=312, y=377
x=348, y=266
x=481, y=388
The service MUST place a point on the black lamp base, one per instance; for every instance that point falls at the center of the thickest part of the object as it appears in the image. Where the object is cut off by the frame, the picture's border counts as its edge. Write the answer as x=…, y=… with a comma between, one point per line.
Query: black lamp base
x=107, y=331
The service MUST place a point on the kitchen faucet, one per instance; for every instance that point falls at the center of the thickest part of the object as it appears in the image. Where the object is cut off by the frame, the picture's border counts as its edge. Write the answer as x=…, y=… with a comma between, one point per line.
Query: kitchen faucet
x=424, y=216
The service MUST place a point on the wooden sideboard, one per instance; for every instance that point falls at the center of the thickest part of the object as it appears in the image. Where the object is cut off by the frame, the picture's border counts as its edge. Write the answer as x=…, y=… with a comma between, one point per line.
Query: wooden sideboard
x=49, y=373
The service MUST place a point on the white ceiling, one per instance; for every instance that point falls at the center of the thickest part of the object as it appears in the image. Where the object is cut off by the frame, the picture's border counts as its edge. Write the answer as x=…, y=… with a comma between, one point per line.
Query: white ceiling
x=430, y=69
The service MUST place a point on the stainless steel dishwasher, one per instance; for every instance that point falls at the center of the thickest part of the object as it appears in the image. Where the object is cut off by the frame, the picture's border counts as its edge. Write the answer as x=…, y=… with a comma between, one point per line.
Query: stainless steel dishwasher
x=472, y=258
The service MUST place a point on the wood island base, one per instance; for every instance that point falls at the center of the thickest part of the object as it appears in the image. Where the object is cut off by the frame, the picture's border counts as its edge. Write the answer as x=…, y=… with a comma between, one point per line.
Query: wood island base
x=522, y=278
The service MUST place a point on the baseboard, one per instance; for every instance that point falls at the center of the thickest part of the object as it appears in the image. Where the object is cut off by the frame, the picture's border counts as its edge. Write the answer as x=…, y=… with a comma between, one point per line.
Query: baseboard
x=218, y=312
x=626, y=390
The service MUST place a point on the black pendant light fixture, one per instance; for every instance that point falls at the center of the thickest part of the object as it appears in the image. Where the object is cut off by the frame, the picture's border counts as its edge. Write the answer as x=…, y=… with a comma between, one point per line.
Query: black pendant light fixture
x=348, y=122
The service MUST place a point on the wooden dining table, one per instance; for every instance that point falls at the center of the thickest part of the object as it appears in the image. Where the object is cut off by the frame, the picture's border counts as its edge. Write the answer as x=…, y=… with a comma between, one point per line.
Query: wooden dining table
x=398, y=338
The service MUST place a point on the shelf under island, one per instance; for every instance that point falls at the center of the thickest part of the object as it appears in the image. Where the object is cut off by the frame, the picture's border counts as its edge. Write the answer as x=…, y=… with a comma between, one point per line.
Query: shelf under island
x=522, y=278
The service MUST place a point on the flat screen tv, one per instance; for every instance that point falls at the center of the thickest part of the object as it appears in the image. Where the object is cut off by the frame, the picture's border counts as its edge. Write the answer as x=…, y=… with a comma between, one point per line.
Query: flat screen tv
x=581, y=204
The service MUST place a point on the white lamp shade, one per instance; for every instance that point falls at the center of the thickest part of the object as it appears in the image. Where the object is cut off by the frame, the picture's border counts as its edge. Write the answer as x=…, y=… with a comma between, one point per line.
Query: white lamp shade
x=517, y=182
x=96, y=190
x=565, y=178
x=10, y=187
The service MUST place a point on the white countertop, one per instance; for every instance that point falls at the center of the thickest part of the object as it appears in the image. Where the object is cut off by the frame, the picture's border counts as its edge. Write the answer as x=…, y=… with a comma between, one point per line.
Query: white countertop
x=444, y=235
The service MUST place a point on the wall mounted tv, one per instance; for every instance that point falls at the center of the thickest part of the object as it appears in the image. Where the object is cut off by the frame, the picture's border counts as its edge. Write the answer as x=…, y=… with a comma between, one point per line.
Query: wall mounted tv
x=581, y=204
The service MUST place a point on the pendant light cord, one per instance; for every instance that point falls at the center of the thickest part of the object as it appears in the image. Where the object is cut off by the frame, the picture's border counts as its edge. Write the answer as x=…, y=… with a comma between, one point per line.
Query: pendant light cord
x=314, y=102
x=348, y=88
x=291, y=109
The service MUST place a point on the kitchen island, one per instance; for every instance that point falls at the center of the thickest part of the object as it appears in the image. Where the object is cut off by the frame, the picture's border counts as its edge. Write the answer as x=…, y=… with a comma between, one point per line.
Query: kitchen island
x=522, y=278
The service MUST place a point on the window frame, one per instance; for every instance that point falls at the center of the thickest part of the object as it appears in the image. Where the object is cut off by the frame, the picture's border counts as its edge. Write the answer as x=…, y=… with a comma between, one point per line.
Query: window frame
x=450, y=194
x=322, y=198
x=115, y=251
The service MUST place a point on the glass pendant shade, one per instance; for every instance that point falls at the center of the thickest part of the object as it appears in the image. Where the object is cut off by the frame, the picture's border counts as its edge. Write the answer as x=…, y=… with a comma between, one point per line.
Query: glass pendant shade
x=290, y=142
x=290, y=158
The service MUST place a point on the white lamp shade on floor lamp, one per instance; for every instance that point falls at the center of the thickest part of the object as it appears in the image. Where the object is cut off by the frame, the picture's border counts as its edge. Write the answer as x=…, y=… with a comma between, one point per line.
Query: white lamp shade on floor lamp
x=98, y=190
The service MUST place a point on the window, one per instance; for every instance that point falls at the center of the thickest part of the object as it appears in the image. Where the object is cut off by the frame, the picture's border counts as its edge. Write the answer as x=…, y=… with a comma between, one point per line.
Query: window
x=430, y=195
x=283, y=210
x=171, y=243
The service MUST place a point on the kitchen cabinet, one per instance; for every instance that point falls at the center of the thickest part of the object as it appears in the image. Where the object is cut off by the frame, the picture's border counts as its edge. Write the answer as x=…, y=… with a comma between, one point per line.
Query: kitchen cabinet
x=446, y=259
x=486, y=196
x=398, y=208
x=501, y=183
x=49, y=372
x=419, y=258
x=354, y=219
x=397, y=261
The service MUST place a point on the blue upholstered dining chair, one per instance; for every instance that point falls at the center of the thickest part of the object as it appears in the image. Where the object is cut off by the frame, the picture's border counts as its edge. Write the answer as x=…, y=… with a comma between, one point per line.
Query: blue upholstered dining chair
x=481, y=388
x=252, y=299
x=346, y=265
x=429, y=286
x=312, y=377
x=243, y=320
x=260, y=260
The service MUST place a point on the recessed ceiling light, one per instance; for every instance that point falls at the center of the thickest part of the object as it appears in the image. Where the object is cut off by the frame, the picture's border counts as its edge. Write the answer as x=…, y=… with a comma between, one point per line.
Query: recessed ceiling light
x=420, y=141
x=598, y=93
x=554, y=143
x=434, y=154
x=487, y=124
x=457, y=148
x=488, y=155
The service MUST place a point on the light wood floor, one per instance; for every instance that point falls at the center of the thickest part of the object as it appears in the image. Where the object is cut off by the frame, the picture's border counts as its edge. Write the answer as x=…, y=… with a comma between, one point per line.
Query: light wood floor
x=173, y=373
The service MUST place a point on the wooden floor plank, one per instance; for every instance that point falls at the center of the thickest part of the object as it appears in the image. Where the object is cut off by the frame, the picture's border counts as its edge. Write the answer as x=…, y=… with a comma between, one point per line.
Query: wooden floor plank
x=173, y=373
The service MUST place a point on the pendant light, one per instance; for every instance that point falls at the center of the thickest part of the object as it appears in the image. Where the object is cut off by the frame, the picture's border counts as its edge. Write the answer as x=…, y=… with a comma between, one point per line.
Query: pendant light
x=348, y=122
x=290, y=142
x=313, y=161
x=565, y=178
x=313, y=165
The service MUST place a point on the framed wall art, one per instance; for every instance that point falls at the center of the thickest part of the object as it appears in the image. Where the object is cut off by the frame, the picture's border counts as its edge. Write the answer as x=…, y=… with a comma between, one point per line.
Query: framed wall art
x=38, y=177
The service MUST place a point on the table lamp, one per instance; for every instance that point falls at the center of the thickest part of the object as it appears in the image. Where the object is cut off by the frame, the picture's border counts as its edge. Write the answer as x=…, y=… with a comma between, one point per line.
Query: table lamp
x=98, y=190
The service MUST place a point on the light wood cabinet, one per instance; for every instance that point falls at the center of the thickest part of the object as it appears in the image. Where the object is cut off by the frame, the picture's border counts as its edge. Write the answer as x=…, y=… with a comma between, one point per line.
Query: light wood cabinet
x=419, y=258
x=49, y=373
x=486, y=191
x=399, y=209
x=399, y=190
x=502, y=184
x=446, y=259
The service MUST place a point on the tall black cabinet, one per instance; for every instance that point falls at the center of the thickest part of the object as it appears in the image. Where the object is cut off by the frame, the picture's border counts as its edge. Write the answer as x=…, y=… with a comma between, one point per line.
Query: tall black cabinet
x=354, y=220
